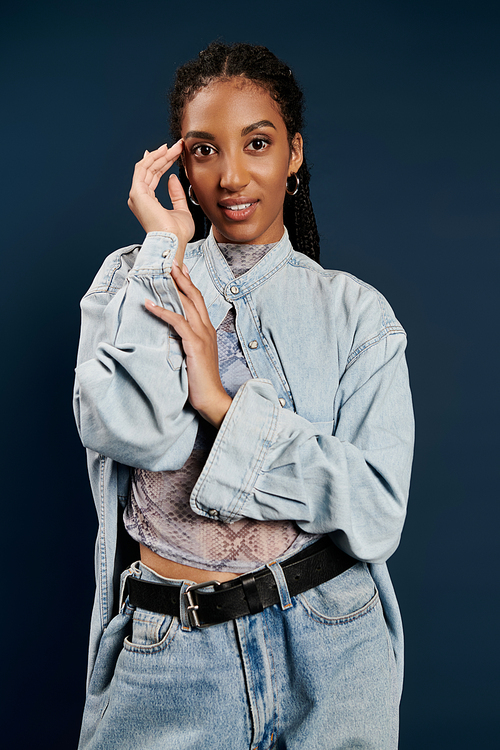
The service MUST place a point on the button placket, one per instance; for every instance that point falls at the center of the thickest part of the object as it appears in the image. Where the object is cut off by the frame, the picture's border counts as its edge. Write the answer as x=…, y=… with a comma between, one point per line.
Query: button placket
x=259, y=359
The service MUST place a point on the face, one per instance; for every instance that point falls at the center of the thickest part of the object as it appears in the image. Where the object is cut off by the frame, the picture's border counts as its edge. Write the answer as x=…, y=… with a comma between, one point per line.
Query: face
x=237, y=158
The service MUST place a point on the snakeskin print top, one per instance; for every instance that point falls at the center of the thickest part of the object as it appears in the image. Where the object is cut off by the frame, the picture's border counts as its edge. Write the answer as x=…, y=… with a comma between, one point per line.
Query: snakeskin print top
x=158, y=513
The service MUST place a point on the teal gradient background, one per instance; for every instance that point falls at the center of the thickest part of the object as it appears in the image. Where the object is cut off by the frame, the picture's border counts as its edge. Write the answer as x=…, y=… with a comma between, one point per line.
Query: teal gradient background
x=402, y=136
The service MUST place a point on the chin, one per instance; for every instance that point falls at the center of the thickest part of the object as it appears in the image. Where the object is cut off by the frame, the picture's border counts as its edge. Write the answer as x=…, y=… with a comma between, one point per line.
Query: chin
x=236, y=235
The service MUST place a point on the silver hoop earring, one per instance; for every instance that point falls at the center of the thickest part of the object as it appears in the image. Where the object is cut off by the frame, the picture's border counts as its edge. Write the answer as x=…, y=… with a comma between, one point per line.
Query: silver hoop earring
x=297, y=183
x=192, y=197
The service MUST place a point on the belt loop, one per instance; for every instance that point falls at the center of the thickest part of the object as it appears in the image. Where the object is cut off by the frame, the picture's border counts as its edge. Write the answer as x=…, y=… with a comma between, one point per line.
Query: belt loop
x=183, y=609
x=133, y=570
x=281, y=584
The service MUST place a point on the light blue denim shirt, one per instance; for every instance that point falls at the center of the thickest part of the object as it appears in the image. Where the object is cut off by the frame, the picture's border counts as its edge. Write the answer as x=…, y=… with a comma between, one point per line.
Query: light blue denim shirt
x=322, y=434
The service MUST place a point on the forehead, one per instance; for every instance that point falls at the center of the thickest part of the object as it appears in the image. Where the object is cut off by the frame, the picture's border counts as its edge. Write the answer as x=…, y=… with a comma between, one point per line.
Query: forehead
x=231, y=104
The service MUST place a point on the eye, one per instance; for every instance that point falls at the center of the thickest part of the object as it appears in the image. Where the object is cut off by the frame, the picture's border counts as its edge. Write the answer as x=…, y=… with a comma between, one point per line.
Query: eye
x=258, y=144
x=203, y=149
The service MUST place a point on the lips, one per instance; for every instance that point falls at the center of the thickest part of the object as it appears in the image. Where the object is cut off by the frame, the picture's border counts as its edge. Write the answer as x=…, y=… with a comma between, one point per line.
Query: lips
x=238, y=209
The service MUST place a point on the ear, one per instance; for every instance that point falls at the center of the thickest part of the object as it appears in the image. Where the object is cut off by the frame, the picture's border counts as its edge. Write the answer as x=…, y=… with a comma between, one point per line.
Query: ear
x=296, y=154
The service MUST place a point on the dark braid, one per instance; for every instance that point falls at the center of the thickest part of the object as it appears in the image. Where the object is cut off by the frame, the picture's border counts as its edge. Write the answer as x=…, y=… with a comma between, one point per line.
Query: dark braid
x=221, y=62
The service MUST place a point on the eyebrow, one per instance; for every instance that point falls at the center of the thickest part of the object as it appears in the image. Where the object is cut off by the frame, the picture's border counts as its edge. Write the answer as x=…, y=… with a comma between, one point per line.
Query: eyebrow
x=257, y=126
x=199, y=134
x=245, y=131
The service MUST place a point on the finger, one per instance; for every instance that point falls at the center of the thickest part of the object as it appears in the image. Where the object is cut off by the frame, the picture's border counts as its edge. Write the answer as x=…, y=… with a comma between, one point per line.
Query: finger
x=177, y=194
x=163, y=154
x=178, y=322
x=153, y=165
x=195, y=315
x=190, y=295
x=162, y=164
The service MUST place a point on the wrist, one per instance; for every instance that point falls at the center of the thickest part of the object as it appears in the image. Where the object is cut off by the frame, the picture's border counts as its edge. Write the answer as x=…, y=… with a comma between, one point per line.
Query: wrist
x=217, y=410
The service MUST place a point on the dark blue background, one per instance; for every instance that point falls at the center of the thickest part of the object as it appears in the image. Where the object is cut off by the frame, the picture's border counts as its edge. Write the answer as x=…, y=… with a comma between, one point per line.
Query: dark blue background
x=402, y=134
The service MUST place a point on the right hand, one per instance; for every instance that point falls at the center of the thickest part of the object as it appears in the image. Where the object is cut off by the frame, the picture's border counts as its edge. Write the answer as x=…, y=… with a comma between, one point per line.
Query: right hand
x=145, y=205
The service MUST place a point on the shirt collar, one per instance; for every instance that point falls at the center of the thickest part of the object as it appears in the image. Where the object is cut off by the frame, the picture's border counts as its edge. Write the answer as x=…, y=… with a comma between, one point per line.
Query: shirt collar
x=223, y=277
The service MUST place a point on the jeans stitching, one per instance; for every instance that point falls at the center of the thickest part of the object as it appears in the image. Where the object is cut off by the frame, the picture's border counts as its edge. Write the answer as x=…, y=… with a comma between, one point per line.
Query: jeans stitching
x=342, y=619
x=272, y=670
x=249, y=683
x=154, y=648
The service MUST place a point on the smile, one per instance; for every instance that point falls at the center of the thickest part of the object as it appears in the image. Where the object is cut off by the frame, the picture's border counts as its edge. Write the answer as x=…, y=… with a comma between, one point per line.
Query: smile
x=239, y=211
x=240, y=207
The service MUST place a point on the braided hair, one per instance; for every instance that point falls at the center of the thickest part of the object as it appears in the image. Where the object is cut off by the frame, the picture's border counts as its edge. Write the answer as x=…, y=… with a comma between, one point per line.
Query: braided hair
x=256, y=63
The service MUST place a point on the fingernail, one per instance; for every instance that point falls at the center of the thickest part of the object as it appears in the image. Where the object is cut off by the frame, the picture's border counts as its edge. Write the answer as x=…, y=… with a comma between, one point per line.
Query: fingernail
x=185, y=269
x=145, y=154
x=150, y=303
x=174, y=262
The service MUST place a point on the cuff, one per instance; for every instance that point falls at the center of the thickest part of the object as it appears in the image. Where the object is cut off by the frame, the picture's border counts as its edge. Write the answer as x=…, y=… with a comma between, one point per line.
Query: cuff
x=228, y=478
x=156, y=254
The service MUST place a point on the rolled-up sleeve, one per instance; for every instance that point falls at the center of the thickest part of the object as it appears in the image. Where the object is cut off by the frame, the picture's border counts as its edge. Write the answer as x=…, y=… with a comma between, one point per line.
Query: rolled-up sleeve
x=270, y=463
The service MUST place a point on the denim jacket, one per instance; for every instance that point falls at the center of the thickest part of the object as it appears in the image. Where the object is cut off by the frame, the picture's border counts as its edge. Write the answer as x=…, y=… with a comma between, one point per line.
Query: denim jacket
x=322, y=434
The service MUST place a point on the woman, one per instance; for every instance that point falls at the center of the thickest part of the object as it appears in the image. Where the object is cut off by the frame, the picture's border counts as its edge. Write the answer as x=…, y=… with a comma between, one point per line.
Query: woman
x=247, y=414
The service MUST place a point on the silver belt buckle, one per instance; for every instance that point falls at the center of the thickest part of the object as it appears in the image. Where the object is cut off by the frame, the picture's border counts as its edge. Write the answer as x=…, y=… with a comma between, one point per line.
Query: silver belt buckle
x=192, y=608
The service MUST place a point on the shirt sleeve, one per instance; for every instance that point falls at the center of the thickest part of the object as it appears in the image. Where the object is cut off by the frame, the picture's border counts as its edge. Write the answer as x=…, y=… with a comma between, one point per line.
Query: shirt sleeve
x=131, y=389
x=269, y=463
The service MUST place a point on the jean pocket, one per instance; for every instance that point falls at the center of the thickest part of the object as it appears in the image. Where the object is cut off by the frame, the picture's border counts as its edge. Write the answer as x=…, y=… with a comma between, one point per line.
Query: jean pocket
x=343, y=598
x=151, y=632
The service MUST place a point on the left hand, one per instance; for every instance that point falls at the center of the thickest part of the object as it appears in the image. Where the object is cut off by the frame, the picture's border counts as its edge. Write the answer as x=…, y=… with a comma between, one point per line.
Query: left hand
x=199, y=341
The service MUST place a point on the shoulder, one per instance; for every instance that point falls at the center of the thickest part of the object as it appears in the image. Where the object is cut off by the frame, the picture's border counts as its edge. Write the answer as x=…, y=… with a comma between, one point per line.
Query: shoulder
x=357, y=305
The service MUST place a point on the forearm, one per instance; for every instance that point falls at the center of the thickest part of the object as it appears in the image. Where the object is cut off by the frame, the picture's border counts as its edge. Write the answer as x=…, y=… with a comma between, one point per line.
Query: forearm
x=268, y=463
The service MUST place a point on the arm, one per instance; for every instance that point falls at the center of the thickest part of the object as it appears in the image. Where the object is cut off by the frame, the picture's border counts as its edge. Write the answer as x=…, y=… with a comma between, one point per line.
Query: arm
x=131, y=387
x=268, y=463
x=131, y=382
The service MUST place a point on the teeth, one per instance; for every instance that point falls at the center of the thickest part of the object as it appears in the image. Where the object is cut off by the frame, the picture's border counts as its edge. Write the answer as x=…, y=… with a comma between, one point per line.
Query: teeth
x=239, y=207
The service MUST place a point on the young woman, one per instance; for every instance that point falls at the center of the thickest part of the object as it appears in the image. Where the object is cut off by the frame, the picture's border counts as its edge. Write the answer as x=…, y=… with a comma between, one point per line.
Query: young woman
x=248, y=423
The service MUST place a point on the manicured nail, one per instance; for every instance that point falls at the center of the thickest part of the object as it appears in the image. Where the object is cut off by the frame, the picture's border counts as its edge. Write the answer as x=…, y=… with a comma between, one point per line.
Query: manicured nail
x=150, y=303
x=175, y=263
x=185, y=269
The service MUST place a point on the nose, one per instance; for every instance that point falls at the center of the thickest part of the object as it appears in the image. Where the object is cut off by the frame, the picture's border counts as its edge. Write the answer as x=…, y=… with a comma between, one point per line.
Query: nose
x=234, y=175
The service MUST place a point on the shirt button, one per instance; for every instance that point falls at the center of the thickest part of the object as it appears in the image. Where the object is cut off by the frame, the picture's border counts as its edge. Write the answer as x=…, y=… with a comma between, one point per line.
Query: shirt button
x=234, y=290
x=166, y=253
x=213, y=513
x=253, y=344
x=282, y=401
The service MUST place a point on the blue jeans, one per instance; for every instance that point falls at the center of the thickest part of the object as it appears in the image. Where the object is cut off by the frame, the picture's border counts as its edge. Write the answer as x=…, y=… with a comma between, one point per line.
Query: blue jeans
x=316, y=672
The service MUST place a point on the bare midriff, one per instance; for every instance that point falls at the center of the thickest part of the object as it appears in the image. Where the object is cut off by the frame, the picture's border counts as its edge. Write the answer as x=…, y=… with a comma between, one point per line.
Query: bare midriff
x=171, y=569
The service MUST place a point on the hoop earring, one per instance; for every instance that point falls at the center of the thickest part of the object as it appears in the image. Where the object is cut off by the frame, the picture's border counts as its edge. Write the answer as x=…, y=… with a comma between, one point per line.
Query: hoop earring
x=192, y=197
x=297, y=183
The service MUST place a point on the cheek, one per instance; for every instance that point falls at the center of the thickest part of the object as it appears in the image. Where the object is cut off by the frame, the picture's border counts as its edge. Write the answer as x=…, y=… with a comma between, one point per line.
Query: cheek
x=200, y=174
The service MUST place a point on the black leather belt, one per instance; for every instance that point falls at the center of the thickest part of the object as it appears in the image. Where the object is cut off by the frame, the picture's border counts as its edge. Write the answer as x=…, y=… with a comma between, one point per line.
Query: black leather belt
x=246, y=595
